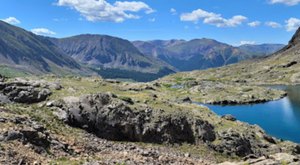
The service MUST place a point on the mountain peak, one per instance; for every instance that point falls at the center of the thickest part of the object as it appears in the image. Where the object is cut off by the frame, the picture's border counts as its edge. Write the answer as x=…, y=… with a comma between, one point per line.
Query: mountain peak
x=295, y=39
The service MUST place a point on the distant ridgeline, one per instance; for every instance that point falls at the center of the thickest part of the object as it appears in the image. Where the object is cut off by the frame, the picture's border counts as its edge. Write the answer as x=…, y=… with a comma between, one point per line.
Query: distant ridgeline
x=24, y=53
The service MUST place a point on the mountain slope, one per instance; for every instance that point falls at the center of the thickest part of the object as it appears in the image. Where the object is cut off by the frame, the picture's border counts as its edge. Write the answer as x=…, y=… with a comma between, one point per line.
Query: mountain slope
x=25, y=51
x=260, y=50
x=101, y=51
x=22, y=53
x=202, y=53
x=283, y=67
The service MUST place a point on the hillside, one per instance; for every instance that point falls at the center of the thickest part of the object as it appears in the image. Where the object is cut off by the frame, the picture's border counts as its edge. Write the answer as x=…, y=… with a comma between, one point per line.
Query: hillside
x=261, y=50
x=110, y=53
x=202, y=53
x=24, y=51
x=280, y=68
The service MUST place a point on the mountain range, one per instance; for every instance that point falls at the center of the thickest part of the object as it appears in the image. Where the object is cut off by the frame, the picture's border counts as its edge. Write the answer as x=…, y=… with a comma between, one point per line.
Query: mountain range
x=198, y=54
x=112, y=57
x=279, y=68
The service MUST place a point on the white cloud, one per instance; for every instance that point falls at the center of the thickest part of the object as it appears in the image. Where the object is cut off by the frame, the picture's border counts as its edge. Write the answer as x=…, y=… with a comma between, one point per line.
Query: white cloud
x=286, y=2
x=212, y=18
x=273, y=24
x=173, y=11
x=247, y=43
x=292, y=24
x=100, y=10
x=254, y=23
x=42, y=31
x=11, y=20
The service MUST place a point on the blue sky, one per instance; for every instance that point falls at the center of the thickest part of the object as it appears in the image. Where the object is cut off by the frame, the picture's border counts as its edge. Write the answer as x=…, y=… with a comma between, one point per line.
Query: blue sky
x=229, y=21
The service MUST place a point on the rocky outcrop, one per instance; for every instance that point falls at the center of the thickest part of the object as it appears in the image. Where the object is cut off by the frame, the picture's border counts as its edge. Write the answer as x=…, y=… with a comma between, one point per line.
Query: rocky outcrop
x=295, y=39
x=110, y=118
x=233, y=143
x=274, y=159
x=2, y=78
x=32, y=134
x=229, y=117
x=21, y=91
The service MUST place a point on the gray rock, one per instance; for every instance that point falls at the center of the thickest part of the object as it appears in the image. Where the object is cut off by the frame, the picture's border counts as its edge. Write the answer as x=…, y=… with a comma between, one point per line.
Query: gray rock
x=56, y=86
x=186, y=100
x=2, y=120
x=13, y=135
x=4, y=99
x=61, y=114
x=297, y=149
x=229, y=117
x=111, y=119
x=2, y=138
x=22, y=92
x=269, y=139
x=2, y=78
x=233, y=143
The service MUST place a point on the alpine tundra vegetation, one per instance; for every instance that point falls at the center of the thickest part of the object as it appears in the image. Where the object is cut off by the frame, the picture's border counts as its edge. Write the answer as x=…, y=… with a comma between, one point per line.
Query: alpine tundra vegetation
x=68, y=97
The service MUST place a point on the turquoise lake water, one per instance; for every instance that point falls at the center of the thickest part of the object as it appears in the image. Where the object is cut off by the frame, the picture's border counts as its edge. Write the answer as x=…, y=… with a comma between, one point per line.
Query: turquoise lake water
x=280, y=118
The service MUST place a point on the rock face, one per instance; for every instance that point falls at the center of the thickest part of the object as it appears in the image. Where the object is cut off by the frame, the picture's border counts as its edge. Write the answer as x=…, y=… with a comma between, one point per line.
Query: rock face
x=22, y=92
x=233, y=143
x=110, y=118
x=295, y=39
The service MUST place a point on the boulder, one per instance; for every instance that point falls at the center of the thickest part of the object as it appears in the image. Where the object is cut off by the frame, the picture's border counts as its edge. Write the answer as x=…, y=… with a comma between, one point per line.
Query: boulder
x=191, y=83
x=22, y=92
x=187, y=100
x=4, y=99
x=296, y=149
x=112, y=119
x=2, y=78
x=55, y=86
x=270, y=139
x=229, y=117
x=233, y=143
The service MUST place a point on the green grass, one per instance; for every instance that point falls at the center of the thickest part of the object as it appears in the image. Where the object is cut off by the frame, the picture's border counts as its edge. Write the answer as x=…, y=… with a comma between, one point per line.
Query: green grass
x=66, y=161
x=11, y=73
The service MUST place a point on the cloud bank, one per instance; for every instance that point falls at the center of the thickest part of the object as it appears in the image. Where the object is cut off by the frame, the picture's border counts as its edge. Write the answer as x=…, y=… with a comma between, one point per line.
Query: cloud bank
x=212, y=18
x=11, y=20
x=101, y=10
x=42, y=31
x=286, y=2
